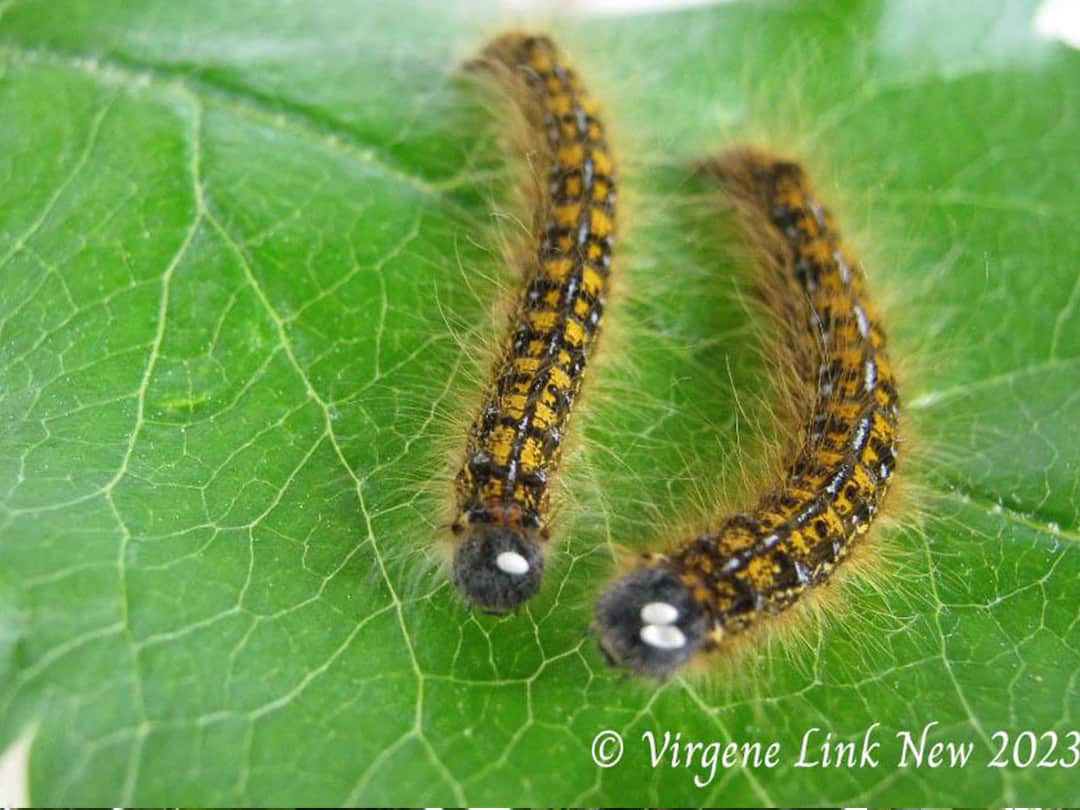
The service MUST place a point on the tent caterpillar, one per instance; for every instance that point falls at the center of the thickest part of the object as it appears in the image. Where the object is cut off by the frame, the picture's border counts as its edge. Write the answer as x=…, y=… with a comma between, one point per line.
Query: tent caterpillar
x=758, y=563
x=514, y=444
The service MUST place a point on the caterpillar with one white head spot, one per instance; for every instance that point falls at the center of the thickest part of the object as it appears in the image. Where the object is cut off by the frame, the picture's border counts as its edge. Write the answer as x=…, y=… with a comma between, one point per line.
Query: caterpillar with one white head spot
x=513, y=448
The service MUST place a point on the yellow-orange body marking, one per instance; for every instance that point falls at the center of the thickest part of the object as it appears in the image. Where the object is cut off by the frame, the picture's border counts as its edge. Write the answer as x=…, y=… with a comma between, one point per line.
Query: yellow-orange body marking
x=513, y=446
x=759, y=562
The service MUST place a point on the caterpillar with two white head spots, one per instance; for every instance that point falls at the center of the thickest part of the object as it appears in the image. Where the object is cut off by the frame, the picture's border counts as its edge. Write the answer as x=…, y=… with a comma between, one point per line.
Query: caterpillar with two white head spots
x=514, y=444
x=758, y=563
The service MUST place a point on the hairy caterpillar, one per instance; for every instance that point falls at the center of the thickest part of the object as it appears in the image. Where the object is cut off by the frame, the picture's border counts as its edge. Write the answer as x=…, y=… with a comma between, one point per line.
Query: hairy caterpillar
x=514, y=443
x=758, y=563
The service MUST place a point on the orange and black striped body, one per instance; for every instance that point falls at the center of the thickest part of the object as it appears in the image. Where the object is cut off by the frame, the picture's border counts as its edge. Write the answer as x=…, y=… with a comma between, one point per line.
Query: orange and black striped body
x=758, y=562
x=514, y=444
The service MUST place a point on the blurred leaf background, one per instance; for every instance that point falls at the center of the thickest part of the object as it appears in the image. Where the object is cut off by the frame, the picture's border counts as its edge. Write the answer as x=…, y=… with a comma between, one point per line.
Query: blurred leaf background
x=245, y=251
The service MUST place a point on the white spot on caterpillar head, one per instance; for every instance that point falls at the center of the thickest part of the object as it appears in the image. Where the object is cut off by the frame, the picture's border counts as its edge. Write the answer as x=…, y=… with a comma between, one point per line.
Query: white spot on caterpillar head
x=663, y=636
x=511, y=562
x=659, y=613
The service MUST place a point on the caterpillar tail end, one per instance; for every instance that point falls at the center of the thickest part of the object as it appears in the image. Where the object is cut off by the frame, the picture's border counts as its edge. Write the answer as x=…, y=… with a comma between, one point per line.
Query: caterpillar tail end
x=648, y=622
x=497, y=569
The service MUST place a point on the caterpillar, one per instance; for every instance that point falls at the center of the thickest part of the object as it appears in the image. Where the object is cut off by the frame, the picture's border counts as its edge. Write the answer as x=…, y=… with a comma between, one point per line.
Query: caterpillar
x=760, y=562
x=513, y=446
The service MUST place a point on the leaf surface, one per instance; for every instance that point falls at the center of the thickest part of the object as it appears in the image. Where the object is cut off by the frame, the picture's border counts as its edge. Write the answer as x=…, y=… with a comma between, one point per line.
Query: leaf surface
x=247, y=271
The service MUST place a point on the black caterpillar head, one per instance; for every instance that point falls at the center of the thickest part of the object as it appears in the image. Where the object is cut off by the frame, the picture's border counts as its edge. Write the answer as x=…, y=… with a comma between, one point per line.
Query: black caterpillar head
x=496, y=568
x=648, y=622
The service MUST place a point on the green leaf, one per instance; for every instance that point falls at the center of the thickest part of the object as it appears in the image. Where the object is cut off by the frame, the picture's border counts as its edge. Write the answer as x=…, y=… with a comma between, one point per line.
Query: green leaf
x=247, y=270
